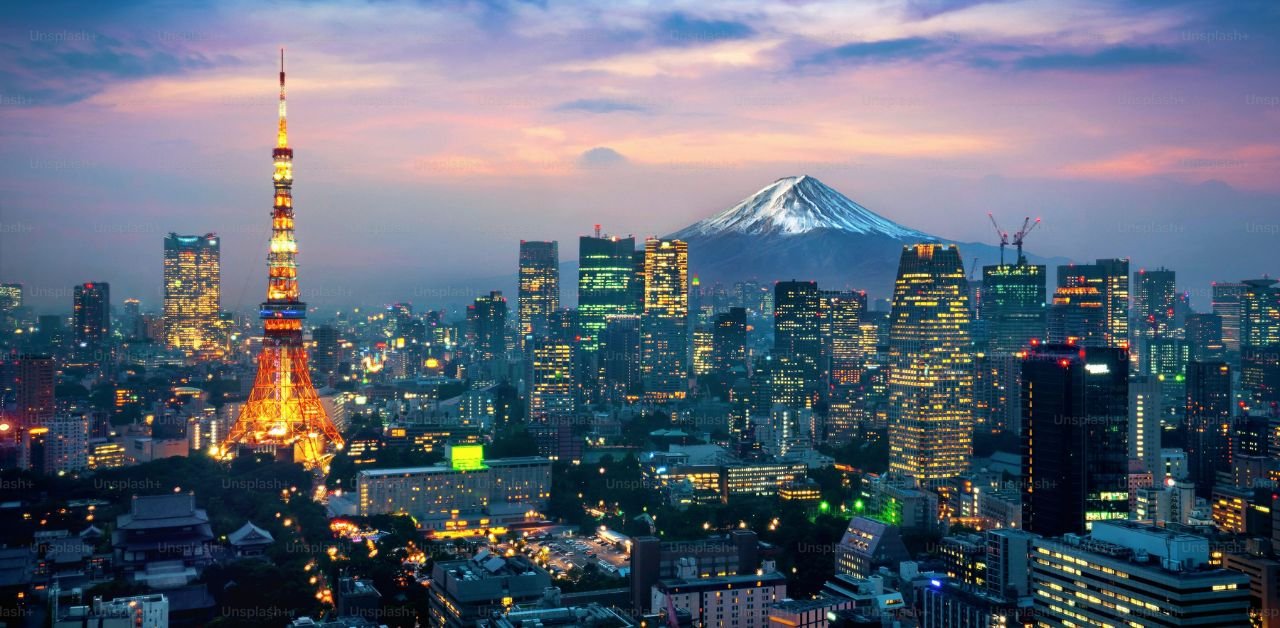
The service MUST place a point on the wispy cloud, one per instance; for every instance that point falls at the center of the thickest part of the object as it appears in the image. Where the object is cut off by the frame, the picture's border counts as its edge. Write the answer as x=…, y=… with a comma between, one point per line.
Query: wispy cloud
x=681, y=29
x=870, y=52
x=602, y=105
x=1106, y=59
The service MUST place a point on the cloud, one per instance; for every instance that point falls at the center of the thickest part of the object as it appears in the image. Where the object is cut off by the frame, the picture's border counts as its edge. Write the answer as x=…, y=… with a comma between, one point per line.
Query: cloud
x=601, y=157
x=601, y=105
x=63, y=67
x=1113, y=58
x=682, y=29
x=869, y=52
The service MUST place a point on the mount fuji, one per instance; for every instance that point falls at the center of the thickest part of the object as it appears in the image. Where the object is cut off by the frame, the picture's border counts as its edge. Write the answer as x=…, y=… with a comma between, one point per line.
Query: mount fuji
x=799, y=228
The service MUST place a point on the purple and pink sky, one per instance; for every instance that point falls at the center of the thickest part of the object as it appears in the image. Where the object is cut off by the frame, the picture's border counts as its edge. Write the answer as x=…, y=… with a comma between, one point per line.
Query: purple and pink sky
x=432, y=136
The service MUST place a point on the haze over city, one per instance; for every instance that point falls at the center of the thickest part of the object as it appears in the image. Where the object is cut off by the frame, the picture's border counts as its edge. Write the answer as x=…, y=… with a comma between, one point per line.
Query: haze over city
x=433, y=136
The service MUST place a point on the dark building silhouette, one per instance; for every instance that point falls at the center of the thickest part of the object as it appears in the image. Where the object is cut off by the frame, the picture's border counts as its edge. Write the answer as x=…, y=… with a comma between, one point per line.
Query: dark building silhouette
x=1074, y=439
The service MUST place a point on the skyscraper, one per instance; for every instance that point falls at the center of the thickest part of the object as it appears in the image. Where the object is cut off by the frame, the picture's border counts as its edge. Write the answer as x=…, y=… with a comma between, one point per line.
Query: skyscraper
x=1207, y=426
x=729, y=340
x=1260, y=342
x=1204, y=337
x=539, y=293
x=1075, y=454
x=665, y=322
x=930, y=362
x=620, y=358
x=1078, y=316
x=1146, y=406
x=1154, y=298
x=283, y=411
x=1111, y=278
x=1226, y=304
x=551, y=389
x=840, y=325
x=552, y=396
x=10, y=304
x=192, y=293
x=325, y=357
x=605, y=271
x=1013, y=306
x=488, y=317
x=35, y=388
x=92, y=316
x=797, y=340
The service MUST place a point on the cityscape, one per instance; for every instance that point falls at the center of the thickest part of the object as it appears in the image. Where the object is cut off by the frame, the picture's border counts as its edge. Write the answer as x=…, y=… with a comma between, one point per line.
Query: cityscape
x=791, y=410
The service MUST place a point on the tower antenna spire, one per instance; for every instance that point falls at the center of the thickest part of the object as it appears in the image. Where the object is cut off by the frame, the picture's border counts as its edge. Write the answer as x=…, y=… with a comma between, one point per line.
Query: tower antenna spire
x=282, y=136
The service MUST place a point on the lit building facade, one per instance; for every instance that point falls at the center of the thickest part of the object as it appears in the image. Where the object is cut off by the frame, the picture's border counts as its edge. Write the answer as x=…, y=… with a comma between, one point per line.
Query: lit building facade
x=1131, y=574
x=92, y=316
x=606, y=268
x=665, y=321
x=930, y=361
x=1013, y=306
x=539, y=292
x=193, y=294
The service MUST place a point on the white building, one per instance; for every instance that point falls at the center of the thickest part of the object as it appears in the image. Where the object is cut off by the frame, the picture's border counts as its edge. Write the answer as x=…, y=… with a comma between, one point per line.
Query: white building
x=738, y=601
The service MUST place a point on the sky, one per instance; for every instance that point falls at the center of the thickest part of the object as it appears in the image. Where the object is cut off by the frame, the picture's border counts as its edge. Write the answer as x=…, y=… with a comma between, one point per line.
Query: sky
x=430, y=137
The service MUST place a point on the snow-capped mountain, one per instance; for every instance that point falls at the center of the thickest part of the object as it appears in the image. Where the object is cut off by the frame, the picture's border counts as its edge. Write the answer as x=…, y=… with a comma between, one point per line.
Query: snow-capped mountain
x=799, y=228
x=796, y=205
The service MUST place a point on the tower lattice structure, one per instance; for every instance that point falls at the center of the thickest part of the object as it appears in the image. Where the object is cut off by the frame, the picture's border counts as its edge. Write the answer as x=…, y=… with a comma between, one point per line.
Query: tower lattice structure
x=283, y=409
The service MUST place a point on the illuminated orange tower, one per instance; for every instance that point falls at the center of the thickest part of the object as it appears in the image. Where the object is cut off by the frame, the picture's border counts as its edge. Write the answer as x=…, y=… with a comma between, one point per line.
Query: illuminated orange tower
x=283, y=409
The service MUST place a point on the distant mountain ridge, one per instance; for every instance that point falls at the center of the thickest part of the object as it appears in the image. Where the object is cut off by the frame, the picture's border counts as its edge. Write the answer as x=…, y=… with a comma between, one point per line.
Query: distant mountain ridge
x=800, y=228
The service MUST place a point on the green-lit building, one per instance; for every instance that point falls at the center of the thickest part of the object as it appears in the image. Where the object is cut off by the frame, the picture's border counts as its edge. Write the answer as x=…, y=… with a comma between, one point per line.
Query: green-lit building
x=606, y=271
x=1013, y=306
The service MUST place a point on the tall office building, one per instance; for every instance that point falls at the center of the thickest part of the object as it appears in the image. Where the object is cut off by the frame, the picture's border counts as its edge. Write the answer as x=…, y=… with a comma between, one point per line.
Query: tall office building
x=840, y=325
x=729, y=340
x=539, y=293
x=551, y=388
x=1111, y=278
x=10, y=304
x=1078, y=316
x=620, y=358
x=1226, y=304
x=1207, y=425
x=34, y=389
x=797, y=339
x=1204, y=335
x=930, y=365
x=1075, y=454
x=325, y=358
x=1155, y=296
x=192, y=293
x=92, y=315
x=606, y=268
x=1146, y=406
x=1013, y=306
x=488, y=317
x=1260, y=342
x=665, y=322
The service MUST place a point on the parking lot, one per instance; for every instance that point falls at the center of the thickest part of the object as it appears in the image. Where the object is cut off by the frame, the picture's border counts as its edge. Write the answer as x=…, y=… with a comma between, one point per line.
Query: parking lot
x=563, y=554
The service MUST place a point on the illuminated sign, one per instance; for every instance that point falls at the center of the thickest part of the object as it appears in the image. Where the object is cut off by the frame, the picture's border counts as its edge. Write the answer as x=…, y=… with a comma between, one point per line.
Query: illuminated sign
x=1097, y=369
x=466, y=457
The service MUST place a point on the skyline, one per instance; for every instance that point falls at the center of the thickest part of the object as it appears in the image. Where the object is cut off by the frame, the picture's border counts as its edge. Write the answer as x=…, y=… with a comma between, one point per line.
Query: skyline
x=521, y=148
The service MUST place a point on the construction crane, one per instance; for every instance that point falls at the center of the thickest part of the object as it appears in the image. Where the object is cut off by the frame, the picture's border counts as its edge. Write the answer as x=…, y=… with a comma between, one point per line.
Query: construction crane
x=1027, y=227
x=1004, y=236
x=972, y=267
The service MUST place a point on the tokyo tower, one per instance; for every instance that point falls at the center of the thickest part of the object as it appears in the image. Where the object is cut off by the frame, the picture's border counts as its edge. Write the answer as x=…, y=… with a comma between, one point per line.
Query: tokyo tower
x=283, y=410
